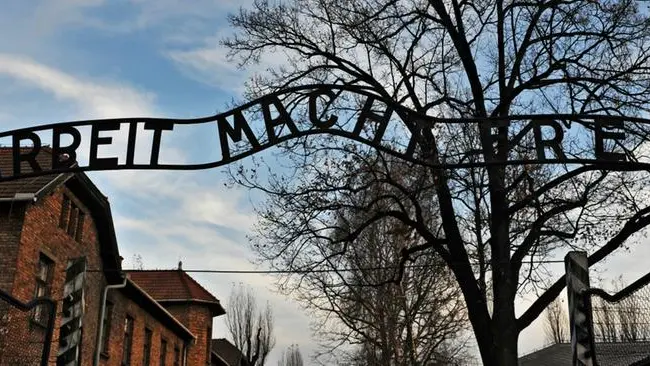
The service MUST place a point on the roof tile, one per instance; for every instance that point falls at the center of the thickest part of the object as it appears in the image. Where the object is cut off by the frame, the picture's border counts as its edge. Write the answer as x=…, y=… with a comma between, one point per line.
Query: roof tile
x=228, y=352
x=25, y=185
x=609, y=354
x=171, y=285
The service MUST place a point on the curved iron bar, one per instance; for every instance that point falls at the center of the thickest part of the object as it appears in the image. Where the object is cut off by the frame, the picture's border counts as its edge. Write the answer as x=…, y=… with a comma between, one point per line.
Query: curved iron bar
x=614, y=298
x=621, y=295
x=605, y=165
x=51, y=304
x=420, y=120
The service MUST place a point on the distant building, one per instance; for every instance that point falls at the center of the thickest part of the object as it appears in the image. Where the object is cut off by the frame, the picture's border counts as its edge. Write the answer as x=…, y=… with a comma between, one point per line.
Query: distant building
x=57, y=240
x=188, y=302
x=607, y=354
x=225, y=353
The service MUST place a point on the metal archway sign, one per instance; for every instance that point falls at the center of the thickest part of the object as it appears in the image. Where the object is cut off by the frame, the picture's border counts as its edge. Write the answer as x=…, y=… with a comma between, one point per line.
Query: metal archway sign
x=237, y=138
x=602, y=142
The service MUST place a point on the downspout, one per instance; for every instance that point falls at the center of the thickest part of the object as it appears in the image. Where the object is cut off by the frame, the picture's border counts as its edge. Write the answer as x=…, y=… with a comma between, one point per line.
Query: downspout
x=20, y=197
x=100, y=328
x=185, y=346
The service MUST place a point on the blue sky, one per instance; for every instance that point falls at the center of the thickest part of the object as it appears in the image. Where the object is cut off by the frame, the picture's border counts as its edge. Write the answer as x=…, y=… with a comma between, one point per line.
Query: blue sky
x=83, y=59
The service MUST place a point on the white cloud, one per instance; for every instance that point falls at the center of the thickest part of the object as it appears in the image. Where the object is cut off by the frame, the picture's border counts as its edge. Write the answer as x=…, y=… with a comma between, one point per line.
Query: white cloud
x=94, y=100
x=51, y=14
x=207, y=62
x=212, y=207
x=174, y=20
x=155, y=12
x=210, y=65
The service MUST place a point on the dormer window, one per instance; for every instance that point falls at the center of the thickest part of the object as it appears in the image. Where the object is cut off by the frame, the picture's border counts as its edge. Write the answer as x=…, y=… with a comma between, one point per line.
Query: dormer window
x=72, y=218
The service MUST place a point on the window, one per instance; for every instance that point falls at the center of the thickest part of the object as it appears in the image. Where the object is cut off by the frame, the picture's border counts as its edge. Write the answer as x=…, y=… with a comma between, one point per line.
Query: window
x=72, y=223
x=72, y=218
x=146, y=355
x=80, y=225
x=163, y=352
x=177, y=356
x=43, y=283
x=128, y=341
x=65, y=211
x=209, y=344
x=106, y=327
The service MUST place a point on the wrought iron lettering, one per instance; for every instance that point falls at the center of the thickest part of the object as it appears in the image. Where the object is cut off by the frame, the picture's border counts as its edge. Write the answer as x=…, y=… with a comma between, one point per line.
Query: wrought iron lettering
x=235, y=133
x=96, y=140
x=269, y=121
x=555, y=143
x=602, y=133
x=70, y=150
x=30, y=156
x=158, y=128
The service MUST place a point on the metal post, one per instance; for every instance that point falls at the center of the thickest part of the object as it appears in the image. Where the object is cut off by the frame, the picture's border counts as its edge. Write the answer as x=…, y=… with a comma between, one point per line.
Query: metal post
x=580, y=322
x=47, y=342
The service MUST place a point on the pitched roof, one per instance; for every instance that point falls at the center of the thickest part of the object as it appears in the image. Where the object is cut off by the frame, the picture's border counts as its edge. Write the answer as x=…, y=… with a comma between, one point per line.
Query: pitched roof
x=175, y=286
x=145, y=301
x=31, y=185
x=228, y=352
x=610, y=354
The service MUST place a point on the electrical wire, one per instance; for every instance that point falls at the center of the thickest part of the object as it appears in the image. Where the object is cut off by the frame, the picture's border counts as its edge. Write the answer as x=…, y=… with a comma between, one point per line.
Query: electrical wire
x=298, y=271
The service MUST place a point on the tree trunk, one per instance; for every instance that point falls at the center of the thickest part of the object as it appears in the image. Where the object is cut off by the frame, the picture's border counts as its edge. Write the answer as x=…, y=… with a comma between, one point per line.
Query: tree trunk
x=506, y=336
x=504, y=321
x=496, y=336
x=477, y=311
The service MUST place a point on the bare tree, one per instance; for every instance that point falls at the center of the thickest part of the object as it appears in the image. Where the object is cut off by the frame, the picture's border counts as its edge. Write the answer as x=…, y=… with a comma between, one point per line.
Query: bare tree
x=251, y=330
x=557, y=326
x=138, y=262
x=464, y=59
x=419, y=320
x=291, y=356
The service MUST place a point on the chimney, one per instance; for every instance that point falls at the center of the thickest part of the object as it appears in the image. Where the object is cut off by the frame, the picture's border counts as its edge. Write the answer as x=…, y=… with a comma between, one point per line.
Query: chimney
x=180, y=265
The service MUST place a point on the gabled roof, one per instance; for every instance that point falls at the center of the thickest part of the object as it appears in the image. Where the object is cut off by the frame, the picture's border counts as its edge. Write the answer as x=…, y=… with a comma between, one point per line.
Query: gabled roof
x=228, y=352
x=145, y=301
x=36, y=187
x=609, y=354
x=26, y=185
x=169, y=286
x=216, y=360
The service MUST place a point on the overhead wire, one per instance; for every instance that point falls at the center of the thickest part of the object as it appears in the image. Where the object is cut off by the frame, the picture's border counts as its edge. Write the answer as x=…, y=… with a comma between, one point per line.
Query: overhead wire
x=300, y=271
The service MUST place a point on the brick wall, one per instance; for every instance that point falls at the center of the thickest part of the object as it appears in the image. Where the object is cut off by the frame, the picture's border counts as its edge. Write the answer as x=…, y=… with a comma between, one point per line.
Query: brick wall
x=19, y=344
x=197, y=318
x=11, y=221
x=123, y=307
x=41, y=235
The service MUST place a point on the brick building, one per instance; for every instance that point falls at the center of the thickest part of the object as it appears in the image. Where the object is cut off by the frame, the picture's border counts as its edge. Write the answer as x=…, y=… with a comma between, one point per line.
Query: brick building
x=57, y=240
x=187, y=301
